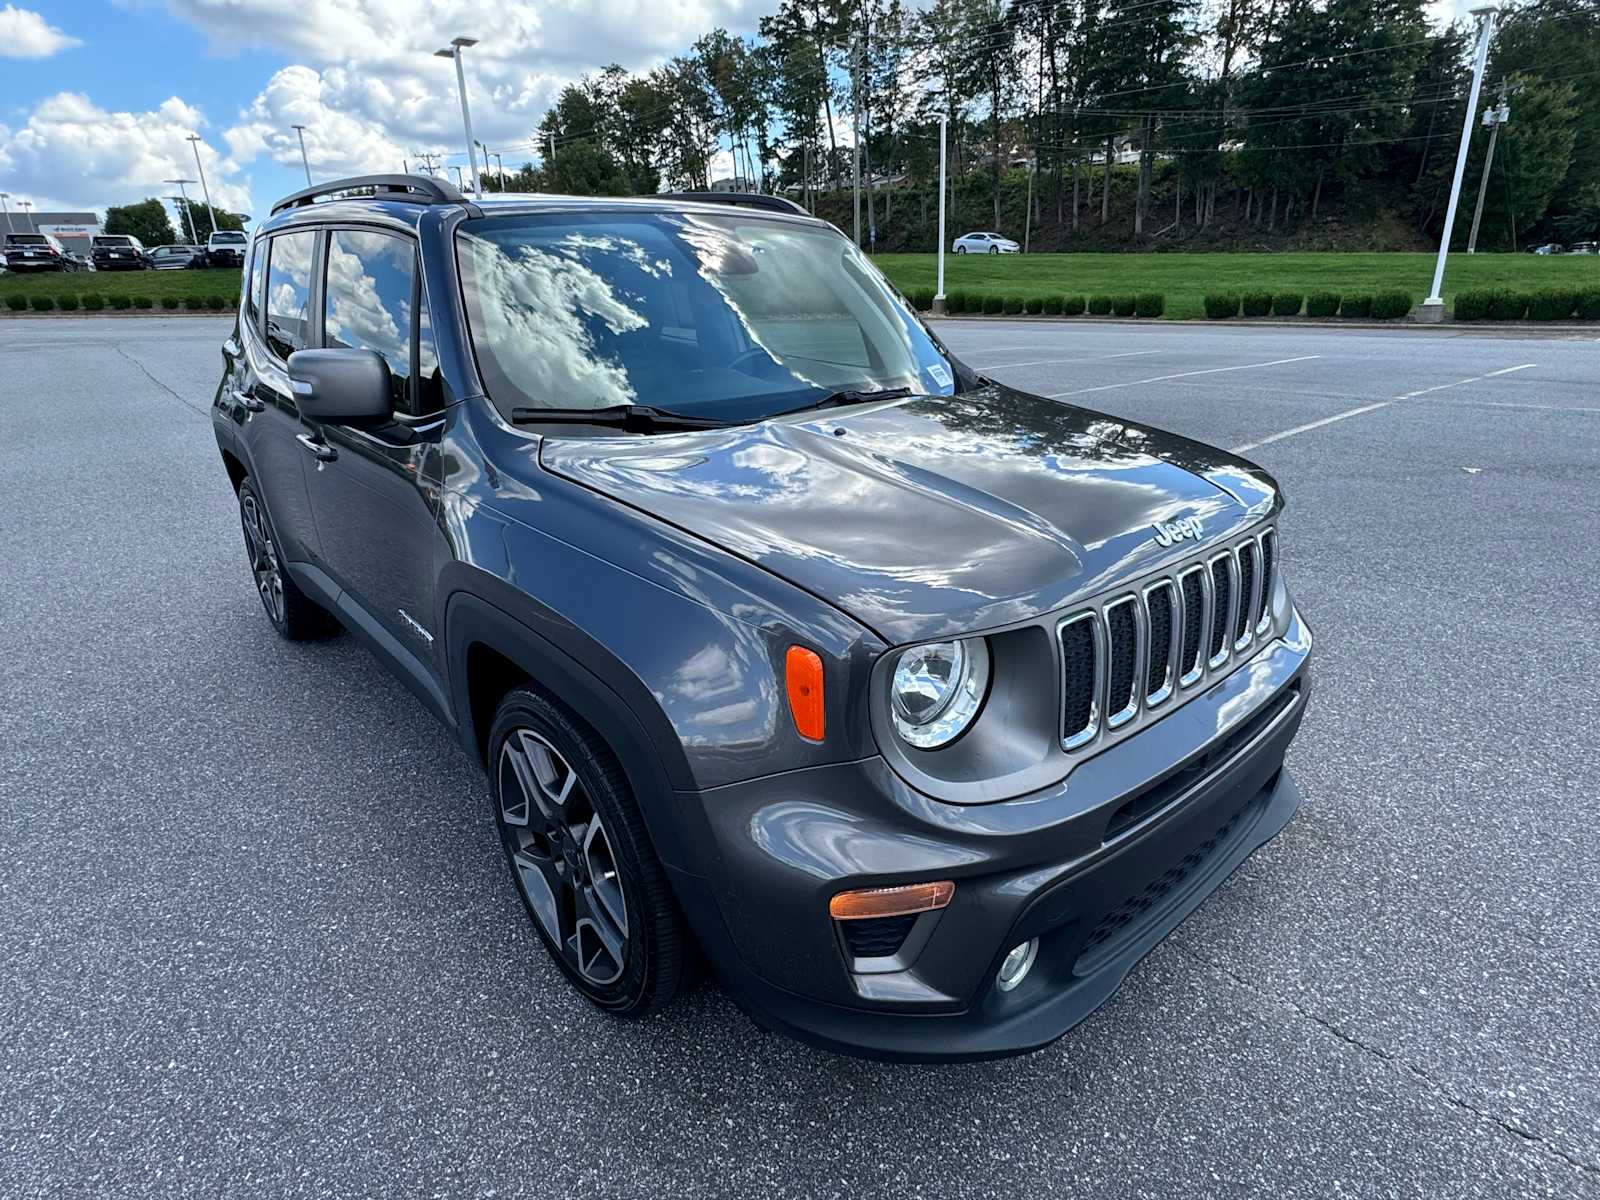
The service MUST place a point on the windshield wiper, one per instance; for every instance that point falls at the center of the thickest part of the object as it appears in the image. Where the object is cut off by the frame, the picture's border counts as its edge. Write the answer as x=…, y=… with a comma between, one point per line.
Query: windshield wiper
x=641, y=418
x=849, y=396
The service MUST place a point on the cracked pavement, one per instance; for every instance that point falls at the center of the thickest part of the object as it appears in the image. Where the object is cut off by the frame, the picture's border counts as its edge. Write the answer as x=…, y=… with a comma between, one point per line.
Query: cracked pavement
x=256, y=937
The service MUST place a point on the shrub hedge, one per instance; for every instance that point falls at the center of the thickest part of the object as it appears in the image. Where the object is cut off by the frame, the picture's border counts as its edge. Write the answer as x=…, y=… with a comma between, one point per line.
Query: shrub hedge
x=1255, y=304
x=1589, y=305
x=1123, y=305
x=120, y=302
x=41, y=303
x=1034, y=305
x=1287, y=304
x=1150, y=304
x=1052, y=306
x=1553, y=304
x=1472, y=304
x=143, y=302
x=1100, y=306
x=195, y=303
x=994, y=304
x=1220, y=306
x=922, y=299
x=1322, y=304
x=1073, y=306
x=67, y=303
x=94, y=301
x=171, y=302
x=1391, y=304
x=1013, y=306
x=1506, y=305
x=1358, y=305
x=17, y=303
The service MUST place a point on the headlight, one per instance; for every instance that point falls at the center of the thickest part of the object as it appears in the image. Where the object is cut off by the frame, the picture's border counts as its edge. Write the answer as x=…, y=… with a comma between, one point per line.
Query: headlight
x=937, y=689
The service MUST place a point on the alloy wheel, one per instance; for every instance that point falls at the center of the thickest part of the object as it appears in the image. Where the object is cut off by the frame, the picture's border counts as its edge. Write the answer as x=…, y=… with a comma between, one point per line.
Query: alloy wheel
x=562, y=858
x=263, y=557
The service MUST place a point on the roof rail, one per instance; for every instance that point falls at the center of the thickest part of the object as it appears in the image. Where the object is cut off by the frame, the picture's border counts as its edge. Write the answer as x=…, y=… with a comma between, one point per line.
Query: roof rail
x=418, y=189
x=745, y=199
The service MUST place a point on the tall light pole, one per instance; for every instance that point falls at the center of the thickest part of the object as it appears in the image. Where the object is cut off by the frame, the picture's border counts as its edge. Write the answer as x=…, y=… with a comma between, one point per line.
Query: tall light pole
x=1493, y=118
x=938, y=296
x=25, y=205
x=211, y=213
x=1433, y=307
x=188, y=219
x=4, y=196
x=855, y=125
x=300, y=132
x=457, y=45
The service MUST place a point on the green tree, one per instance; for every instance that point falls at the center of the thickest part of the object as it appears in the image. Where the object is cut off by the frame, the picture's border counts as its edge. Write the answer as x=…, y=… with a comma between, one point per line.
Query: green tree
x=201, y=217
x=146, y=220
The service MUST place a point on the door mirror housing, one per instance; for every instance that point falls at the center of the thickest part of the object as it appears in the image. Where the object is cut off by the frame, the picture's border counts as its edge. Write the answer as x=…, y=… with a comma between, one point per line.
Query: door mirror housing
x=342, y=387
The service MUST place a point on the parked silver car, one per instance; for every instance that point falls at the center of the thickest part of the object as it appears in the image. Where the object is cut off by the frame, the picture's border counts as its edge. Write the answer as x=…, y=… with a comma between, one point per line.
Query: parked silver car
x=985, y=243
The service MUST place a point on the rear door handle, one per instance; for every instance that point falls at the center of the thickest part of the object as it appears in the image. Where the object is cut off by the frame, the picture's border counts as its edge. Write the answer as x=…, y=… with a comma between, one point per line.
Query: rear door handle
x=323, y=451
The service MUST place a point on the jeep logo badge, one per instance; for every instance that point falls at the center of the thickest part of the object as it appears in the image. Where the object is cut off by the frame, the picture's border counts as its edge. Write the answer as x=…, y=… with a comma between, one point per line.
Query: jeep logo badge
x=1170, y=533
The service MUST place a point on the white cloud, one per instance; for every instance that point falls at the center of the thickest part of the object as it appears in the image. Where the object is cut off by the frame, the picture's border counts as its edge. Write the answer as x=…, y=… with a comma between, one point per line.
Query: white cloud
x=69, y=152
x=25, y=34
x=370, y=91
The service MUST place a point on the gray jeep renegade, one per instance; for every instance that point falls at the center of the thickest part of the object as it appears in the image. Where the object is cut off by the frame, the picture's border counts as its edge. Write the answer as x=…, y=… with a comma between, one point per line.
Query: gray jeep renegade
x=916, y=707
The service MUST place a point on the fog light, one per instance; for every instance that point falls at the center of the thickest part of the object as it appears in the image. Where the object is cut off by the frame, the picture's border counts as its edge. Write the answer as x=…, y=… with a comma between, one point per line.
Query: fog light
x=1017, y=964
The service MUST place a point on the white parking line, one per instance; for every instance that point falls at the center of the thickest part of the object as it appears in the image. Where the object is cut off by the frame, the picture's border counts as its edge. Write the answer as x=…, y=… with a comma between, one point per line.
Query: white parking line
x=1039, y=362
x=1106, y=387
x=1366, y=408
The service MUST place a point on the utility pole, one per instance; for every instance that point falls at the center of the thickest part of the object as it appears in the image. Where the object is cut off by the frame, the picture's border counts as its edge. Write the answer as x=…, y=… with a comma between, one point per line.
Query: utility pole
x=453, y=50
x=194, y=140
x=460, y=184
x=1027, y=220
x=1493, y=118
x=938, y=295
x=25, y=205
x=4, y=196
x=1432, y=309
x=188, y=217
x=300, y=132
x=855, y=121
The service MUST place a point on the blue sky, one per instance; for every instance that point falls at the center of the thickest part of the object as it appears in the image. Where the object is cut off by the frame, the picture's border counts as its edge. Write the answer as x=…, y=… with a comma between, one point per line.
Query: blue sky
x=97, y=97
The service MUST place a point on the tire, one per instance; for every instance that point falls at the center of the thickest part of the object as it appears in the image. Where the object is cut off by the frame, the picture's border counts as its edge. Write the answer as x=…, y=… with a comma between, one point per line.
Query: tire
x=961, y=249
x=295, y=615
x=581, y=859
x=994, y=249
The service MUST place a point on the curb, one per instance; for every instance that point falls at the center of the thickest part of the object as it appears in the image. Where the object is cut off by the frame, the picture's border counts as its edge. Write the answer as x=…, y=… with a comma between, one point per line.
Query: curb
x=1450, y=325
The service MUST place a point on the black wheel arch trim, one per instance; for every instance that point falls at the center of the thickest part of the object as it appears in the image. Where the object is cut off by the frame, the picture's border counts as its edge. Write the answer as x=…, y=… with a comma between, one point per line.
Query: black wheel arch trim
x=650, y=759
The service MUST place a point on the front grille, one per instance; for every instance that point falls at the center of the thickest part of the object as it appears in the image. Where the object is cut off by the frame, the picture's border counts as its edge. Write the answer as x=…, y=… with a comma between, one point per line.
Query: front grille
x=1158, y=608
x=1129, y=654
x=877, y=937
x=1269, y=548
x=1122, y=627
x=1245, y=621
x=1221, y=600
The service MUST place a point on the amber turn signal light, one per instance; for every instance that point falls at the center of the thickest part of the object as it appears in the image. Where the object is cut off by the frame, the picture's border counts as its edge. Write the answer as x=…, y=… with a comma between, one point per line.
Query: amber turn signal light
x=891, y=901
x=803, y=675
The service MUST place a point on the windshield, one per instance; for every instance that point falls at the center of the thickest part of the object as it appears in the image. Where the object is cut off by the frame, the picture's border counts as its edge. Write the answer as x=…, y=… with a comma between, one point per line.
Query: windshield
x=112, y=241
x=228, y=239
x=733, y=316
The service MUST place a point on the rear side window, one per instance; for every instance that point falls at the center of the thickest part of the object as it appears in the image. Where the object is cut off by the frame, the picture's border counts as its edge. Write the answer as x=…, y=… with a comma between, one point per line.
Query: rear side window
x=26, y=239
x=289, y=292
x=367, y=302
x=252, y=295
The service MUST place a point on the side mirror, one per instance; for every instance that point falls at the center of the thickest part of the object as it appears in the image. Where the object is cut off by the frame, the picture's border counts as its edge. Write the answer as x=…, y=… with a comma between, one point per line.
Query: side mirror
x=342, y=387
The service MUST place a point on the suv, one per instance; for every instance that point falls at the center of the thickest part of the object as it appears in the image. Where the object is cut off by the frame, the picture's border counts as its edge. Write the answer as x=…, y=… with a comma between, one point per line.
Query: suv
x=118, y=252
x=37, y=252
x=226, y=247
x=920, y=706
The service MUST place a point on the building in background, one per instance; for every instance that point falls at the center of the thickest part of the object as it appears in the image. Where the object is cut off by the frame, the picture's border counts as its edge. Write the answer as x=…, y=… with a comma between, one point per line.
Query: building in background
x=72, y=229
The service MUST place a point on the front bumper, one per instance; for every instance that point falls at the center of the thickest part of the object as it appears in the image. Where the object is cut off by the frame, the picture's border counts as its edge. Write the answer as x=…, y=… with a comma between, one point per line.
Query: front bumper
x=1207, y=783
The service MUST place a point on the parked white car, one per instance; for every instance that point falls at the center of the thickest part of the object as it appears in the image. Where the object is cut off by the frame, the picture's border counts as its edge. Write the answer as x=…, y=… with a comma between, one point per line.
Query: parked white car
x=985, y=243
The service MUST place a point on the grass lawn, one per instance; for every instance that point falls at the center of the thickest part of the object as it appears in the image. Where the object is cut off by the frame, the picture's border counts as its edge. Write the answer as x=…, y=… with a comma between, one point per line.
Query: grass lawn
x=1186, y=278
x=215, y=281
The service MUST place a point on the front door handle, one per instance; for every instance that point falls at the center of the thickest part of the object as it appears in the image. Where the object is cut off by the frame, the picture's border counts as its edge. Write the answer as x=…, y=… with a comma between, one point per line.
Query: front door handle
x=248, y=402
x=323, y=451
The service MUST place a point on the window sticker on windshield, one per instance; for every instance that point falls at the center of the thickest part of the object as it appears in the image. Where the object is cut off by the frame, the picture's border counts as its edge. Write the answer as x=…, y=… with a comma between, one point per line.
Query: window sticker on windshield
x=940, y=374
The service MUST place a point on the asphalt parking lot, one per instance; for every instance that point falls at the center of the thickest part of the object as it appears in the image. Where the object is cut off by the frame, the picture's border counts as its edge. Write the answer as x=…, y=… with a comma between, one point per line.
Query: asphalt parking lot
x=257, y=938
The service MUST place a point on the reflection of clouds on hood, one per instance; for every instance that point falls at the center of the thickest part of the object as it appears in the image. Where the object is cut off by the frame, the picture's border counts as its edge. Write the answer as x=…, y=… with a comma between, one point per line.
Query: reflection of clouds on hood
x=356, y=314
x=535, y=305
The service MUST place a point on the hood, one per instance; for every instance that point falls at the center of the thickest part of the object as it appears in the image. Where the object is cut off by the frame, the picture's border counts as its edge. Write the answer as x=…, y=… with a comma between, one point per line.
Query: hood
x=932, y=515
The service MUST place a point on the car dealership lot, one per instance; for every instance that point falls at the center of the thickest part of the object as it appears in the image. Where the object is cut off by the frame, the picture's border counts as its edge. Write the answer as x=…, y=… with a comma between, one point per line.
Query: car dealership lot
x=256, y=936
